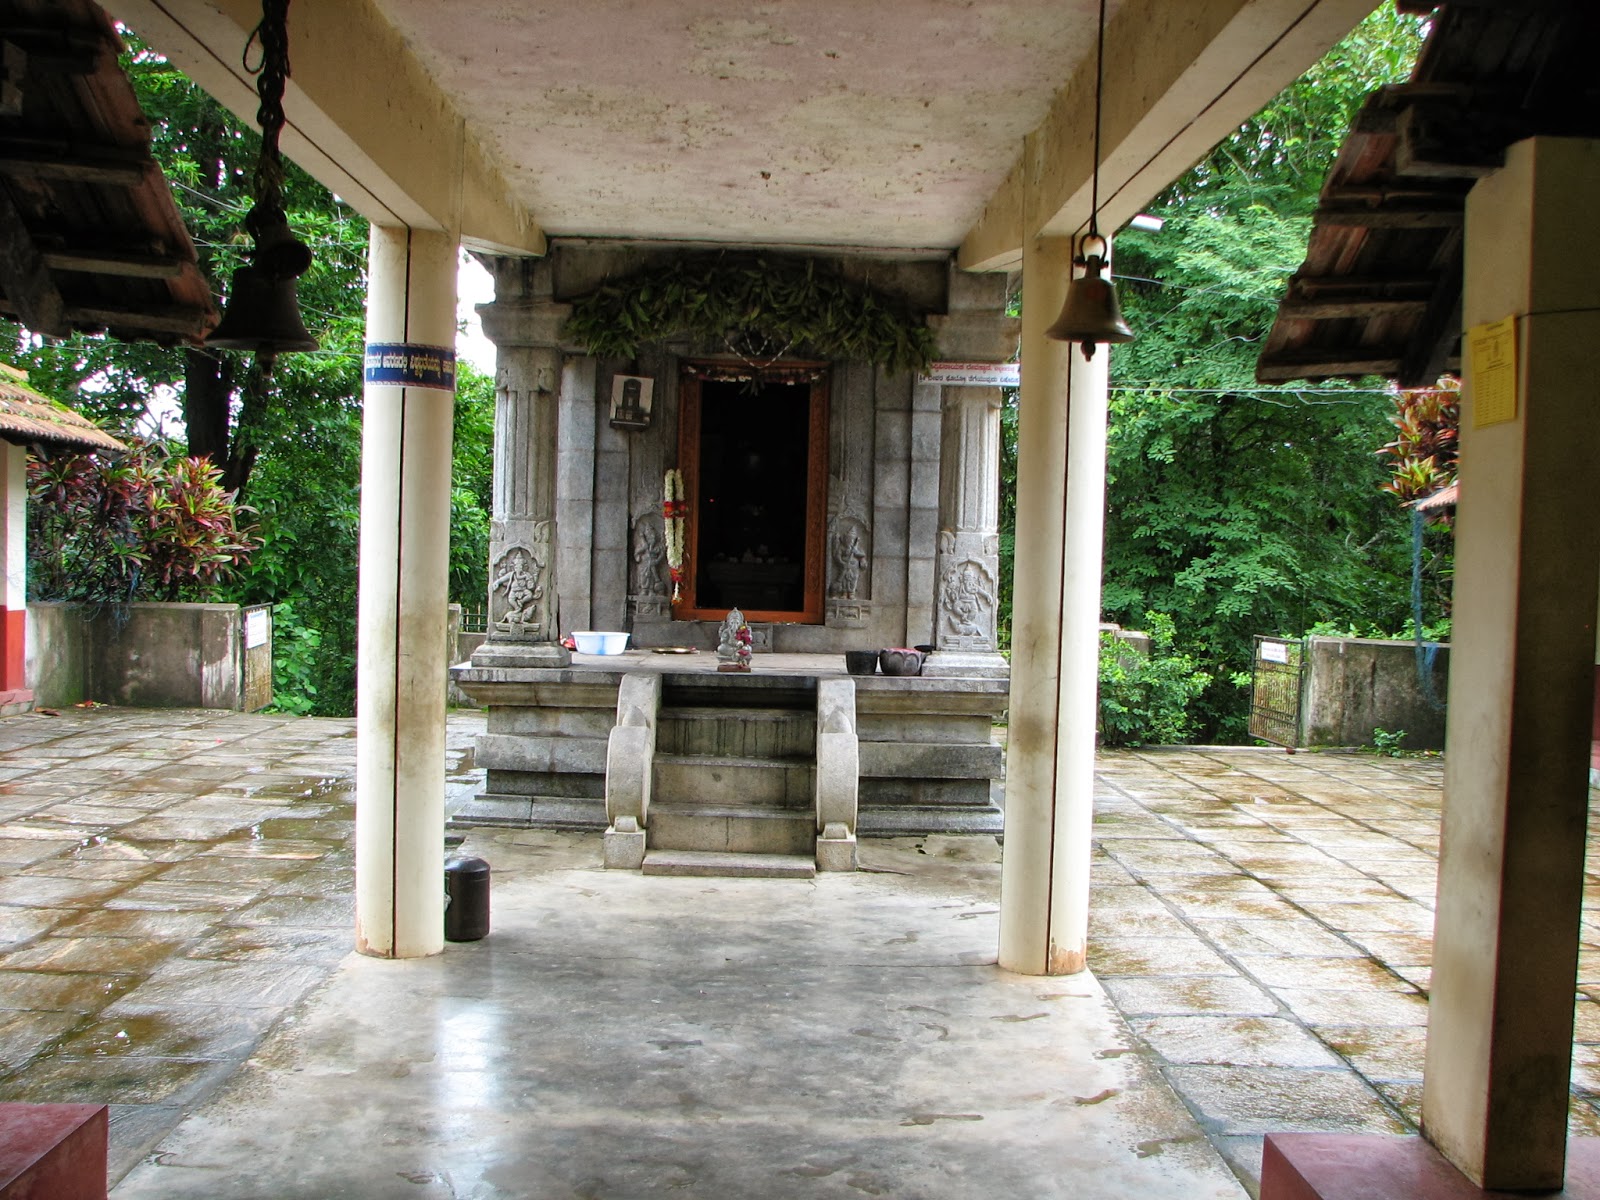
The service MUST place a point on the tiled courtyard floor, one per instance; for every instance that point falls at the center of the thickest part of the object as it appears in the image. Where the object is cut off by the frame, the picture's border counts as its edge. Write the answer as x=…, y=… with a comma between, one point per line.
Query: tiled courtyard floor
x=1264, y=923
x=173, y=884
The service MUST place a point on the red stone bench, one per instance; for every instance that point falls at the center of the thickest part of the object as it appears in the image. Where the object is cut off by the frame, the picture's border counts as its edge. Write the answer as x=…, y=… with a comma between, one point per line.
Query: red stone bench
x=52, y=1152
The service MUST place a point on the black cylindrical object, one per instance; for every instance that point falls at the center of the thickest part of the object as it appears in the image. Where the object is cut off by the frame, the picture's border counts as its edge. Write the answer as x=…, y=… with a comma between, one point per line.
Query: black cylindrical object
x=466, y=899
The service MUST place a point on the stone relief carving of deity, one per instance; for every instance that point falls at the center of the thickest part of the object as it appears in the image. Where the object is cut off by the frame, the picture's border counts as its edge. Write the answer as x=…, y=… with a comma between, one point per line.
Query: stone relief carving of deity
x=649, y=557
x=847, y=558
x=967, y=595
x=519, y=581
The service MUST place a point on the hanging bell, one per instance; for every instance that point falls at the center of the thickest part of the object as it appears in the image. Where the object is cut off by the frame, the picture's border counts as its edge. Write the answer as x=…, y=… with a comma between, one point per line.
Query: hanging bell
x=1091, y=313
x=278, y=253
x=263, y=315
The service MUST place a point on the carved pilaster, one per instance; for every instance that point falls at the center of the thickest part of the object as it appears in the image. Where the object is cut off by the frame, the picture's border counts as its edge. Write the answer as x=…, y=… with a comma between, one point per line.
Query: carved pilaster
x=967, y=569
x=525, y=325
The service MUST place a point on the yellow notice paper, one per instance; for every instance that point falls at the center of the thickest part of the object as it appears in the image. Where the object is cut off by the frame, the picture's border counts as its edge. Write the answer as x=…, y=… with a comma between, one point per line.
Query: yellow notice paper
x=1493, y=351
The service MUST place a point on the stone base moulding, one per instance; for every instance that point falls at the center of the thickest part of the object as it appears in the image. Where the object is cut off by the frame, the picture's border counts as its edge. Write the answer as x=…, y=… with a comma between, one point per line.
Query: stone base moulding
x=1348, y=1166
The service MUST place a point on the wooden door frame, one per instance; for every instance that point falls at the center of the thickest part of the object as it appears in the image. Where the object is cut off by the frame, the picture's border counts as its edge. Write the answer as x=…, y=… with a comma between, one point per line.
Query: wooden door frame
x=687, y=608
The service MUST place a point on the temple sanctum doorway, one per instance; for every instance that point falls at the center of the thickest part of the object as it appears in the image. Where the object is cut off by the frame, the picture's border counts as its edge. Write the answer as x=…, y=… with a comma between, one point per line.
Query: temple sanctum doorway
x=753, y=452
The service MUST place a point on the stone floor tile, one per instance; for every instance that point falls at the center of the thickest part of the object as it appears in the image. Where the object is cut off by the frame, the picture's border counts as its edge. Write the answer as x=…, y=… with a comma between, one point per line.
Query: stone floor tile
x=1397, y=949
x=162, y=828
x=181, y=982
x=19, y=926
x=160, y=925
x=134, y=1030
x=133, y=1130
x=1144, y=858
x=1188, y=955
x=1317, y=1006
x=161, y=895
x=1171, y=995
x=1372, y=916
x=315, y=911
x=1407, y=1097
x=1233, y=1041
x=55, y=1079
x=49, y=891
x=1210, y=906
x=41, y=991
x=71, y=866
x=25, y=1035
x=1323, y=974
x=1246, y=1100
x=1388, y=1053
x=98, y=955
x=1586, y=1021
x=1300, y=938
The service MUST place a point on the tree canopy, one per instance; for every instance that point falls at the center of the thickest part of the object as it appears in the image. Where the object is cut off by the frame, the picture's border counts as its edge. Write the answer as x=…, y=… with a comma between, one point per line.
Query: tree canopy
x=1235, y=508
x=289, y=445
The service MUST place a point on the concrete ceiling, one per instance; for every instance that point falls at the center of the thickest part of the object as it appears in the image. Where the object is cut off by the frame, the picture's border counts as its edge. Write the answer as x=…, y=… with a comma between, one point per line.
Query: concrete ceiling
x=837, y=122
x=910, y=125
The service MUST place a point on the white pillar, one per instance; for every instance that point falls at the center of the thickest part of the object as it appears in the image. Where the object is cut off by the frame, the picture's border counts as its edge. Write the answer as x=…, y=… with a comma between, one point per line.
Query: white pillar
x=14, y=563
x=405, y=547
x=1521, y=683
x=1055, y=619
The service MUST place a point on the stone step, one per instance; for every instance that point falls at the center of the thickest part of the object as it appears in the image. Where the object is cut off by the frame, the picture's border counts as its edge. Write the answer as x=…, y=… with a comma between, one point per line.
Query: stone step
x=737, y=732
x=704, y=864
x=739, y=830
x=708, y=779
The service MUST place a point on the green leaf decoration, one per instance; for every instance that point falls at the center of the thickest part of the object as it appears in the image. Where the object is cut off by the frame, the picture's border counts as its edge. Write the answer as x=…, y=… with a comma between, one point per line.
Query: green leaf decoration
x=791, y=301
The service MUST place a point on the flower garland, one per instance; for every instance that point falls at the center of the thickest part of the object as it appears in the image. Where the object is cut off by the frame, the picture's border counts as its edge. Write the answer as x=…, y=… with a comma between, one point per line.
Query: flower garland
x=788, y=303
x=673, y=512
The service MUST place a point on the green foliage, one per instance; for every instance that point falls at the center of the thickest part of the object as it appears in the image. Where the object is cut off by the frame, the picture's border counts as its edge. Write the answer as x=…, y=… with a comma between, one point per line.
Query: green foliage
x=1422, y=456
x=293, y=441
x=1145, y=698
x=1388, y=742
x=296, y=660
x=790, y=302
x=1236, y=508
x=149, y=525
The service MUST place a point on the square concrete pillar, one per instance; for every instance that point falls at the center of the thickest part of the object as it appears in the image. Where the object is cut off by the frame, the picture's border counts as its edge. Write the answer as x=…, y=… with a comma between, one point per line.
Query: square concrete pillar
x=1521, y=681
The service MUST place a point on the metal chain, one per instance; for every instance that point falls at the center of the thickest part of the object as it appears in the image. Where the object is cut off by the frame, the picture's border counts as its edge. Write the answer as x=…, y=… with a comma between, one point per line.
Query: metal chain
x=271, y=75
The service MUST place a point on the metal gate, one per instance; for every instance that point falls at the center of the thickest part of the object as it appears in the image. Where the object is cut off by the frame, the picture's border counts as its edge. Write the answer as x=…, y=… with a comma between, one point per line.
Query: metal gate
x=1275, y=690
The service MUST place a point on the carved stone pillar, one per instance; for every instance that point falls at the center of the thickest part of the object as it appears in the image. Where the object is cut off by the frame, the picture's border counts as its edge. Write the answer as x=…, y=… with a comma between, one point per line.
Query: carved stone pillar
x=524, y=323
x=967, y=568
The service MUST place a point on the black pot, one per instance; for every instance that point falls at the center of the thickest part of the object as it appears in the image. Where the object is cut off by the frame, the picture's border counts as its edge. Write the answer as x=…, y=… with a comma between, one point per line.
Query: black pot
x=861, y=662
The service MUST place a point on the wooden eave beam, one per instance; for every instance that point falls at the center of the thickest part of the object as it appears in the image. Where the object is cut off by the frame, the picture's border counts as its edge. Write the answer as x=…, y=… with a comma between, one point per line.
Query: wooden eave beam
x=1393, y=217
x=33, y=158
x=25, y=280
x=1333, y=310
x=1328, y=364
x=110, y=262
x=1312, y=286
x=166, y=318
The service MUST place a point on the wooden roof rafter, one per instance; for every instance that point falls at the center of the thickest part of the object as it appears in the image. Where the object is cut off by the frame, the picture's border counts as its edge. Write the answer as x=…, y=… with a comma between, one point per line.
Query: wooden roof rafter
x=91, y=239
x=1380, y=289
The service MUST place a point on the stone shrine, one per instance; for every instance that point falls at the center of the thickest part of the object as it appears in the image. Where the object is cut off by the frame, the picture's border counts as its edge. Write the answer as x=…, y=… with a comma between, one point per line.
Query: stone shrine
x=840, y=505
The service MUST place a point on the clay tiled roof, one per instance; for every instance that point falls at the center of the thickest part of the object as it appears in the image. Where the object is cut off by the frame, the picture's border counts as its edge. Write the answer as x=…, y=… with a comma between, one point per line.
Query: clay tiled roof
x=1380, y=290
x=90, y=237
x=26, y=417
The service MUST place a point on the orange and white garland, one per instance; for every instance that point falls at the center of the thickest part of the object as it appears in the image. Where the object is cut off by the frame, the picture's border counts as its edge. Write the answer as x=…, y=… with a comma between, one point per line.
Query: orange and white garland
x=672, y=517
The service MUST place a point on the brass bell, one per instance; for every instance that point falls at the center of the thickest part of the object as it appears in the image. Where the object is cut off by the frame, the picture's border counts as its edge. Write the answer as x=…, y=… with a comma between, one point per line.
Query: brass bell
x=278, y=253
x=263, y=315
x=1091, y=313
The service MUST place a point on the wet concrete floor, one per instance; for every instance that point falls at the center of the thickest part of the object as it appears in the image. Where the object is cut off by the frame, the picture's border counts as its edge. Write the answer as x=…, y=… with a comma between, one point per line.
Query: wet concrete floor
x=175, y=922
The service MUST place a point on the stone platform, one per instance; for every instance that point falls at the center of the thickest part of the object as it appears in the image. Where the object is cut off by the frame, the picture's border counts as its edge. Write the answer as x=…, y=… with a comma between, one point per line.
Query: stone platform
x=928, y=762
